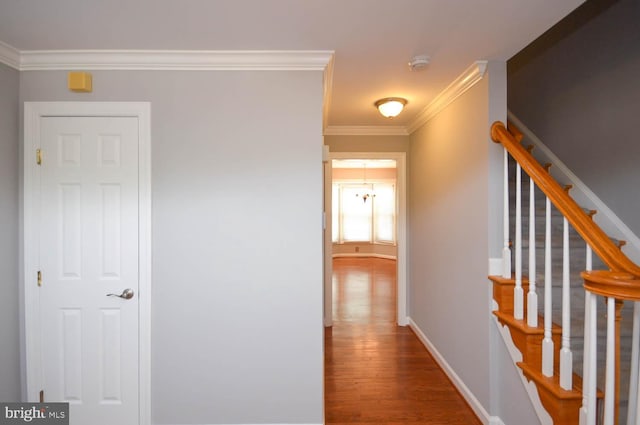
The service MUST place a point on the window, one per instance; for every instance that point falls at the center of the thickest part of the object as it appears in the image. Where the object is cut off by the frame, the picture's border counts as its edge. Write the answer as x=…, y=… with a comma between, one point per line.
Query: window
x=364, y=213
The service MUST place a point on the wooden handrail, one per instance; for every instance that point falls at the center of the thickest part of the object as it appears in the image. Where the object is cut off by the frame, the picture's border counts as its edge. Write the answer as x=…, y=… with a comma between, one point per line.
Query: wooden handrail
x=600, y=243
x=619, y=285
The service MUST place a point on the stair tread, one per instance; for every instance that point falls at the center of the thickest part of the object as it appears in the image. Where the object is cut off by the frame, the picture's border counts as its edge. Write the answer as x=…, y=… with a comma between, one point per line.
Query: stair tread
x=507, y=281
x=552, y=384
x=521, y=325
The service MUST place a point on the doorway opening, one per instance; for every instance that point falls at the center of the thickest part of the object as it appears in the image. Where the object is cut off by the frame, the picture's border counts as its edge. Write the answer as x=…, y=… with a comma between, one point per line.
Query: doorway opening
x=365, y=205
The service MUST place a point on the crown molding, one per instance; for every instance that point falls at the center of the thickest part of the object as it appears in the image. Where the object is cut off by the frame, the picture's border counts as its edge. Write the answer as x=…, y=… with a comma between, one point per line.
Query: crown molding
x=464, y=82
x=365, y=130
x=9, y=56
x=175, y=60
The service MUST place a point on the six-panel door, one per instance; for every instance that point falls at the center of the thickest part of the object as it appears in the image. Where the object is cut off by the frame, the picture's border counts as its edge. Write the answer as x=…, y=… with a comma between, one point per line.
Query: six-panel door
x=88, y=249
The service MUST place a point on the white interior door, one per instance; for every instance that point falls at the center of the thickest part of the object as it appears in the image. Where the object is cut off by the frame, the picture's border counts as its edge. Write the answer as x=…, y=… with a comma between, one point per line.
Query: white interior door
x=88, y=248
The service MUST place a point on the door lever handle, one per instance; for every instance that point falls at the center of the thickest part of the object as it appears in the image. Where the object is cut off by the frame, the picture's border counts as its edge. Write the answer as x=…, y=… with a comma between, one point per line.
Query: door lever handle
x=127, y=294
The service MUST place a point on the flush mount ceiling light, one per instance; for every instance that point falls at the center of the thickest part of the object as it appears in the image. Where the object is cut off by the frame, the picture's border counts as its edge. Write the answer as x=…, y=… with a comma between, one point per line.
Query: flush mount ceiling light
x=390, y=107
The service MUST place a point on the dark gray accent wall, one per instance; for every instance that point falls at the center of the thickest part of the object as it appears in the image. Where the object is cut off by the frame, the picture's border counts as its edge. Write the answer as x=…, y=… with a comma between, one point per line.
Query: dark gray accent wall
x=9, y=298
x=577, y=89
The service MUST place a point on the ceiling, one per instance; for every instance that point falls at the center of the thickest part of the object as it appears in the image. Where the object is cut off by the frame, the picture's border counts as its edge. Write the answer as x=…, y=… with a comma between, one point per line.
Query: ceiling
x=373, y=40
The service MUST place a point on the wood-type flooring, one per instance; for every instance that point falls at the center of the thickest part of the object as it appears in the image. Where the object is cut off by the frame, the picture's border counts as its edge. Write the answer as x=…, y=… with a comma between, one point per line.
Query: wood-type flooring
x=375, y=371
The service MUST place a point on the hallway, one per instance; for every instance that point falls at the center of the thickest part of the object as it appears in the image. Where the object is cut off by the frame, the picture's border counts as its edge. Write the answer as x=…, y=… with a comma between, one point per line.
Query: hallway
x=377, y=372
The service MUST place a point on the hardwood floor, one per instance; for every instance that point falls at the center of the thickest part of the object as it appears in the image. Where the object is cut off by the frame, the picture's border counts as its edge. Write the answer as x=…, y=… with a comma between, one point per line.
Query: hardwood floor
x=377, y=372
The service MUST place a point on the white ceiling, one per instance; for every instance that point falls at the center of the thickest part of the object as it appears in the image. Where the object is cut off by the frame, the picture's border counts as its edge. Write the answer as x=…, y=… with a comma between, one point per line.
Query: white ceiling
x=373, y=39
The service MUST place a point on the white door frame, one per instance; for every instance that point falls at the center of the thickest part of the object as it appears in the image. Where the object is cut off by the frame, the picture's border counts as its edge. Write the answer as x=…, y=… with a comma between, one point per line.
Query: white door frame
x=401, y=159
x=31, y=350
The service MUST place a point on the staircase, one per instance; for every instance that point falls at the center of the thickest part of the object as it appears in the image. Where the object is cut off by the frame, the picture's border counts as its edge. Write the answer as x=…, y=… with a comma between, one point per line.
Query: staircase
x=568, y=405
x=562, y=405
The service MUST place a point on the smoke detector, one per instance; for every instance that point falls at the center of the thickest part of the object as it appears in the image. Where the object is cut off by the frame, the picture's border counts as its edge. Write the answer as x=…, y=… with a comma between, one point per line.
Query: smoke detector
x=419, y=62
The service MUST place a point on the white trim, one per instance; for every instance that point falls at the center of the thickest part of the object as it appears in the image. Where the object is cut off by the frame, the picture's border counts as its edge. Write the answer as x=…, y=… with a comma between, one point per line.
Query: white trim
x=530, y=386
x=364, y=255
x=495, y=420
x=32, y=372
x=471, y=399
x=33, y=111
x=365, y=130
x=605, y=218
x=145, y=255
x=9, y=55
x=176, y=60
x=464, y=82
x=327, y=278
x=401, y=223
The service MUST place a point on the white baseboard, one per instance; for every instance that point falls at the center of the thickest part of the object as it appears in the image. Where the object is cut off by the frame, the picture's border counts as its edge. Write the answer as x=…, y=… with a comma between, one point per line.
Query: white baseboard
x=364, y=255
x=471, y=399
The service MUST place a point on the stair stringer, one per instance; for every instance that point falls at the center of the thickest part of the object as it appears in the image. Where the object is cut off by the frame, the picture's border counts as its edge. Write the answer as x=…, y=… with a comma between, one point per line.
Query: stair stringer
x=516, y=357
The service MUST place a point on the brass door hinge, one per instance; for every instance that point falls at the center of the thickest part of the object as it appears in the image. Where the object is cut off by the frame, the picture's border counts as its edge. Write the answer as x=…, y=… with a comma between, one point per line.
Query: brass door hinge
x=39, y=156
x=39, y=278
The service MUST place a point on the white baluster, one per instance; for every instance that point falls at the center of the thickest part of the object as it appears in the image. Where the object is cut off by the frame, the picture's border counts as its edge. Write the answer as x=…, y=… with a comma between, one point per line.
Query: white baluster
x=610, y=374
x=506, y=250
x=587, y=335
x=566, y=357
x=632, y=416
x=585, y=360
x=591, y=353
x=532, y=298
x=518, y=294
x=547, y=342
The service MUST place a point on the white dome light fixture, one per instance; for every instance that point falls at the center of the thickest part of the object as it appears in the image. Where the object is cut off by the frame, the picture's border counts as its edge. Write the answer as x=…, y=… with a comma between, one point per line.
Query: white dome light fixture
x=390, y=107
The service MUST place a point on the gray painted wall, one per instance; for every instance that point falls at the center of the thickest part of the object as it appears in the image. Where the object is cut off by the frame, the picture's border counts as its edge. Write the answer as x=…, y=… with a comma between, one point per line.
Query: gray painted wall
x=577, y=89
x=237, y=246
x=448, y=216
x=455, y=183
x=9, y=300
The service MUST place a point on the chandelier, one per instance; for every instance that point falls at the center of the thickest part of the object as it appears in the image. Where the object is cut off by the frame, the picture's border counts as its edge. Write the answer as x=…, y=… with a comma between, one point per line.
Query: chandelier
x=366, y=195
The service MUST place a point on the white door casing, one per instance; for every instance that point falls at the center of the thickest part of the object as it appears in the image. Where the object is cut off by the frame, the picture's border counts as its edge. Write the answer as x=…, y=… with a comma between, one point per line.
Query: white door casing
x=87, y=229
